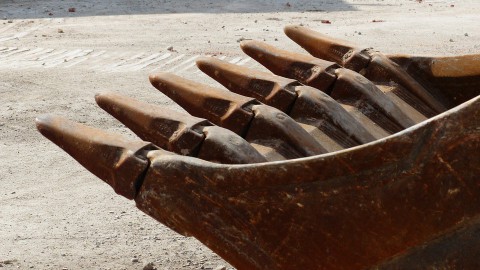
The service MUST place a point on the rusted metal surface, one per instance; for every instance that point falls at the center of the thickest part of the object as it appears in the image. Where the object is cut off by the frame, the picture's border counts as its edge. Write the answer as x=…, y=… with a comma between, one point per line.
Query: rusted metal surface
x=377, y=159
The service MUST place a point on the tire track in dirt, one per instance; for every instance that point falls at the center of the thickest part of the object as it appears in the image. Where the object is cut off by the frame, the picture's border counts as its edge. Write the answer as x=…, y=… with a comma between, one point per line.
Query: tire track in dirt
x=92, y=59
x=19, y=29
x=104, y=61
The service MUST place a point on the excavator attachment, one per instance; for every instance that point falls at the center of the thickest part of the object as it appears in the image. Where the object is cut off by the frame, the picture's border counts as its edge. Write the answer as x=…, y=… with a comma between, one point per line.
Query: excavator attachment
x=344, y=158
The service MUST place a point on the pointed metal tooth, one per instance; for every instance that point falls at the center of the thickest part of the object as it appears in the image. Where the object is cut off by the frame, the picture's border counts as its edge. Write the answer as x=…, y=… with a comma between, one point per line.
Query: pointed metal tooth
x=119, y=162
x=270, y=89
x=383, y=69
x=272, y=124
x=222, y=107
x=351, y=85
x=223, y=146
x=175, y=131
x=317, y=108
x=328, y=48
x=302, y=67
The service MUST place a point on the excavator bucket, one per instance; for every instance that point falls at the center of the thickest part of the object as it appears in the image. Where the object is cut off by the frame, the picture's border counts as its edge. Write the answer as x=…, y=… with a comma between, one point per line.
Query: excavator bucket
x=344, y=158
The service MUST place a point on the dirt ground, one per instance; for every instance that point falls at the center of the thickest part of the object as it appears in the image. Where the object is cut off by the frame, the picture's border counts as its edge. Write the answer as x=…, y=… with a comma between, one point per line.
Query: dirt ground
x=56, y=215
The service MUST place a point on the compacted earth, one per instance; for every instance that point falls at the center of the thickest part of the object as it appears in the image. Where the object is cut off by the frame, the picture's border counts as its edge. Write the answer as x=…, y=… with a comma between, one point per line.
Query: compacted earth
x=55, y=55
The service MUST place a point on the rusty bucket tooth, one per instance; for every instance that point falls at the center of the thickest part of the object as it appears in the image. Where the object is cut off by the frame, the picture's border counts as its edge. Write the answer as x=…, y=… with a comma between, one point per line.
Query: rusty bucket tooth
x=316, y=108
x=272, y=124
x=302, y=67
x=350, y=84
x=385, y=70
x=223, y=108
x=223, y=146
x=269, y=89
x=179, y=132
x=328, y=48
x=119, y=162
x=170, y=130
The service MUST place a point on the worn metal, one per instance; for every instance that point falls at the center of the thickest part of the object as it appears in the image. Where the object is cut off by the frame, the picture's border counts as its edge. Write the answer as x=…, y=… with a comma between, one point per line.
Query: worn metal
x=377, y=159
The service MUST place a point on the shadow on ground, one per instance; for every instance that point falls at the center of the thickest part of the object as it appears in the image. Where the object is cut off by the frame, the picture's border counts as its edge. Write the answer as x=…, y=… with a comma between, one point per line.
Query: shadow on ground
x=30, y=9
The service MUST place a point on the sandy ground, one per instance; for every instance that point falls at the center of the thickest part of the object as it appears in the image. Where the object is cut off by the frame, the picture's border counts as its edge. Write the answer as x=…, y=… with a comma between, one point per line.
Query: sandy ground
x=56, y=215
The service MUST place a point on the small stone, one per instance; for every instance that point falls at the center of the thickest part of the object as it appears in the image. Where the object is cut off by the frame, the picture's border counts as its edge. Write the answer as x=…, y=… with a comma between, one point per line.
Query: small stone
x=466, y=34
x=170, y=48
x=134, y=260
x=9, y=21
x=221, y=267
x=72, y=9
x=60, y=31
x=242, y=39
x=451, y=40
x=150, y=266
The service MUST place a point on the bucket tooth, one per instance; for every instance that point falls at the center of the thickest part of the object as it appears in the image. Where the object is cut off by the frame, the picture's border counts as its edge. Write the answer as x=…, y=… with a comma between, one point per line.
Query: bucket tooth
x=119, y=162
x=351, y=85
x=221, y=107
x=270, y=123
x=223, y=146
x=169, y=129
x=269, y=89
x=302, y=67
x=317, y=108
x=385, y=70
x=328, y=48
